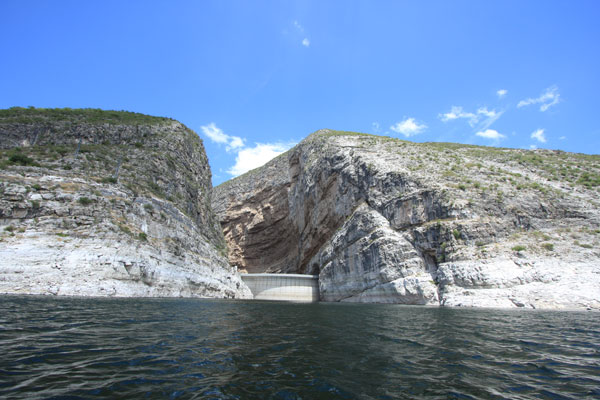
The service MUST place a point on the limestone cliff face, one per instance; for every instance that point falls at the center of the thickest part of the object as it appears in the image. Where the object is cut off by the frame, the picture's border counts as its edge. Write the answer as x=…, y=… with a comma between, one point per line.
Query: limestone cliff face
x=384, y=220
x=107, y=204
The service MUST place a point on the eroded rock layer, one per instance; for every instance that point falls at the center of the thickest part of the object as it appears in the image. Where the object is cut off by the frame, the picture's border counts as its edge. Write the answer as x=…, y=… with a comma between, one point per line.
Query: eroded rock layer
x=102, y=203
x=385, y=220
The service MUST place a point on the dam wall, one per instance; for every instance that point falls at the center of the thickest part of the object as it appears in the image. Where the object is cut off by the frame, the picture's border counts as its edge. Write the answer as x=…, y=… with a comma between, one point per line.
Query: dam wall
x=283, y=287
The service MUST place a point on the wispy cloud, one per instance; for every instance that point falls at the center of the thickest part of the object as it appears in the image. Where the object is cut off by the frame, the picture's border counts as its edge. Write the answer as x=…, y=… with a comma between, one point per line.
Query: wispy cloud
x=409, y=127
x=487, y=113
x=539, y=135
x=254, y=157
x=235, y=143
x=501, y=93
x=300, y=30
x=482, y=118
x=491, y=134
x=457, y=112
x=546, y=100
x=375, y=127
x=247, y=158
x=217, y=135
x=490, y=116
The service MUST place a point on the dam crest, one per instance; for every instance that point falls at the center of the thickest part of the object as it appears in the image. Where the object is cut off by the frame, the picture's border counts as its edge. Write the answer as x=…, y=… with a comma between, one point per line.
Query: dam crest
x=283, y=287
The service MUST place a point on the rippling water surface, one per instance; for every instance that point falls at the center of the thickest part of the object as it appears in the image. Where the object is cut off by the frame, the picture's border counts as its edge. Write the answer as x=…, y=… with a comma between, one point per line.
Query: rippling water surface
x=184, y=348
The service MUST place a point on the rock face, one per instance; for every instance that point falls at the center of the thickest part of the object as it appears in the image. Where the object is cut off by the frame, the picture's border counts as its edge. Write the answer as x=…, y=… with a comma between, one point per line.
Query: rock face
x=384, y=220
x=102, y=203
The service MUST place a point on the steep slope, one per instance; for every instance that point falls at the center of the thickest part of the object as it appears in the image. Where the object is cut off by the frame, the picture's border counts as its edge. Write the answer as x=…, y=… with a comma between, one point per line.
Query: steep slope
x=385, y=220
x=107, y=203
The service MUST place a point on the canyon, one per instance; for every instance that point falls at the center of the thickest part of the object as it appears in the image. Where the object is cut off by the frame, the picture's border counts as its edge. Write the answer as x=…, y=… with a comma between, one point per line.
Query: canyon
x=112, y=203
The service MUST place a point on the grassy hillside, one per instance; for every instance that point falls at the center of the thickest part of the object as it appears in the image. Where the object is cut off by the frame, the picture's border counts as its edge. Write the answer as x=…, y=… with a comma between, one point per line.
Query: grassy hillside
x=33, y=115
x=574, y=169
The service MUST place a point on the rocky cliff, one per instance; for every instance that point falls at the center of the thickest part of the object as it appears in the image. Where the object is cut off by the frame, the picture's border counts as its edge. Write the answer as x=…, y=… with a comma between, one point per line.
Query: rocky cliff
x=107, y=203
x=385, y=220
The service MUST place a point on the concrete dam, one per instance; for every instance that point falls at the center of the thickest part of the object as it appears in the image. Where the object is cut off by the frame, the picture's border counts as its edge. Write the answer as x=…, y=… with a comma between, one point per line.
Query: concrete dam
x=283, y=287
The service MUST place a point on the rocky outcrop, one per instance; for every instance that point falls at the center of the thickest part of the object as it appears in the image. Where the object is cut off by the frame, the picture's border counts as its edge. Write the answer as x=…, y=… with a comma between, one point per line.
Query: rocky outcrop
x=102, y=203
x=385, y=220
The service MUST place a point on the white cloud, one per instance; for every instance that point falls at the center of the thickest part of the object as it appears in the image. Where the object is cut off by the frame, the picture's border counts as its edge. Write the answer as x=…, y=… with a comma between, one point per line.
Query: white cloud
x=484, y=117
x=547, y=99
x=532, y=147
x=457, y=112
x=217, y=135
x=375, y=126
x=539, y=136
x=235, y=143
x=502, y=92
x=487, y=113
x=254, y=157
x=491, y=117
x=300, y=32
x=409, y=127
x=247, y=158
x=562, y=137
x=490, y=134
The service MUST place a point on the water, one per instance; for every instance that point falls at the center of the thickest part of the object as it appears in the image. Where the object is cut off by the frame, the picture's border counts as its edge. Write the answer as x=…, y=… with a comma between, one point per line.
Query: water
x=67, y=348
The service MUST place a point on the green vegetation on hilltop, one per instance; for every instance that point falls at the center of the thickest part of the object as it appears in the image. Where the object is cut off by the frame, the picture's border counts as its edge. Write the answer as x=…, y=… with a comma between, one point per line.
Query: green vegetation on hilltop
x=553, y=165
x=33, y=115
x=331, y=132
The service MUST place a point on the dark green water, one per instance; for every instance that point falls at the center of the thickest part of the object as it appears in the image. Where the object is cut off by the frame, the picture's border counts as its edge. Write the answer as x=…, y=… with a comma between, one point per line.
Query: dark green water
x=67, y=348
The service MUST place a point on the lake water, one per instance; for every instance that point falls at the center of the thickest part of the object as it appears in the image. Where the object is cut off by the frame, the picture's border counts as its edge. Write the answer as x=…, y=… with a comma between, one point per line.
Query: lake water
x=69, y=348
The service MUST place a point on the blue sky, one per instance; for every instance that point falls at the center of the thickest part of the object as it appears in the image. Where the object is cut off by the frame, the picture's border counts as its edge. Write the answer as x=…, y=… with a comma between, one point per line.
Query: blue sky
x=254, y=77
